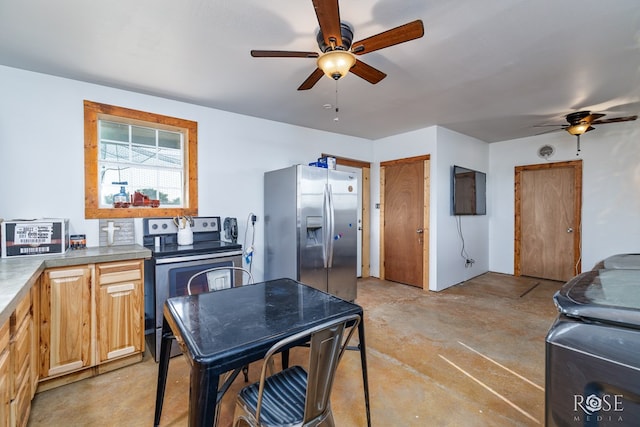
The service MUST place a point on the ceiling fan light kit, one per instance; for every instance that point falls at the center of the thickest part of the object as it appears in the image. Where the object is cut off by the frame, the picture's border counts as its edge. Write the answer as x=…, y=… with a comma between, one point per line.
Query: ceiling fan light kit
x=336, y=63
x=579, y=129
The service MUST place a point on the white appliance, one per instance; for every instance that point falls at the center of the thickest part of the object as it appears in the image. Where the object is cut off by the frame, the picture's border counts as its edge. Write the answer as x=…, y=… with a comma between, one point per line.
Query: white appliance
x=311, y=228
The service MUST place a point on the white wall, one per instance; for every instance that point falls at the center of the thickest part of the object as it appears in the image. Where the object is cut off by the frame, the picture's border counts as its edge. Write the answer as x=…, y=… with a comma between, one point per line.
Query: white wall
x=471, y=153
x=410, y=144
x=446, y=148
x=611, y=190
x=42, y=171
x=42, y=151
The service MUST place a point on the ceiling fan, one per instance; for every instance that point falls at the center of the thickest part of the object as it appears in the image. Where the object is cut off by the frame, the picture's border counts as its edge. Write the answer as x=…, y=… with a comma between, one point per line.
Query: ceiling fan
x=581, y=122
x=338, y=52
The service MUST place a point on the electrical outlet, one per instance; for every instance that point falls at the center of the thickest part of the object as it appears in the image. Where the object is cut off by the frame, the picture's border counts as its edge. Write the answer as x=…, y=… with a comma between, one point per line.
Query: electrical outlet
x=469, y=262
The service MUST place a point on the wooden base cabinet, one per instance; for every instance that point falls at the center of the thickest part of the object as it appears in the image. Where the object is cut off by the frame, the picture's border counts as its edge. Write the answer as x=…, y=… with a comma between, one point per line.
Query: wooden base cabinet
x=91, y=320
x=65, y=320
x=120, y=309
x=15, y=365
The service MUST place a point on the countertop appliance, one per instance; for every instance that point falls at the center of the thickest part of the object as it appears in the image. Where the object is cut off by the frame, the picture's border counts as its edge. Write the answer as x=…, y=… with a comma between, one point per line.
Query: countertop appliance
x=171, y=265
x=593, y=351
x=311, y=228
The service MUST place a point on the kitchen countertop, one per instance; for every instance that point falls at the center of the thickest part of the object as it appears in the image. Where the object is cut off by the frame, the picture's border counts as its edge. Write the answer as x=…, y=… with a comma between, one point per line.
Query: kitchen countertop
x=17, y=275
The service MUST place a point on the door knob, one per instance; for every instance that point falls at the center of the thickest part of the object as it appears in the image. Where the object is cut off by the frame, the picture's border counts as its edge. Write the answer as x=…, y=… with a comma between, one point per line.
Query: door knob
x=419, y=231
x=569, y=230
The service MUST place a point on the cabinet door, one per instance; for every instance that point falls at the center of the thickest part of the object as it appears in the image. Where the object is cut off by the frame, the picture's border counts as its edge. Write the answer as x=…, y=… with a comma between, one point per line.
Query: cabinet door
x=5, y=376
x=120, y=309
x=65, y=320
x=35, y=337
x=20, y=358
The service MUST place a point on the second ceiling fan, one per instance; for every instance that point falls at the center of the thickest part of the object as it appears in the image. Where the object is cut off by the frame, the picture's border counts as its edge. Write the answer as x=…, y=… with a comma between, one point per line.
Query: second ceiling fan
x=338, y=52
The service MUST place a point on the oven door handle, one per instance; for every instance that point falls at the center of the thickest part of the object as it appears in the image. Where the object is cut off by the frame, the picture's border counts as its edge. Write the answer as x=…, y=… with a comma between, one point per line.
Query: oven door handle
x=169, y=260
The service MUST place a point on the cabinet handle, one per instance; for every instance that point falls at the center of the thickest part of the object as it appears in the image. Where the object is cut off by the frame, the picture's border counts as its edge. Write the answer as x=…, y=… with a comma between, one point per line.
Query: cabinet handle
x=120, y=288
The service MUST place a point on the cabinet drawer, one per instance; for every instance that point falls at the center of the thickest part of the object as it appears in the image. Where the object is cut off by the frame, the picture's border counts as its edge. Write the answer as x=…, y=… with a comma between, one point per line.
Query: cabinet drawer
x=21, y=407
x=22, y=309
x=20, y=356
x=4, y=336
x=119, y=272
x=5, y=395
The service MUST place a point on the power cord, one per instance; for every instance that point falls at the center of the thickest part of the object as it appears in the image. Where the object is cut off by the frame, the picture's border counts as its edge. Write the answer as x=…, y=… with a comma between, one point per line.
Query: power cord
x=468, y=261
x=248, y=253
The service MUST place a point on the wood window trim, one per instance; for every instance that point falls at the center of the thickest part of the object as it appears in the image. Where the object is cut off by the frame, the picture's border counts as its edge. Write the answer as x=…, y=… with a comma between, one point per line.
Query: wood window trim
x=93, y=112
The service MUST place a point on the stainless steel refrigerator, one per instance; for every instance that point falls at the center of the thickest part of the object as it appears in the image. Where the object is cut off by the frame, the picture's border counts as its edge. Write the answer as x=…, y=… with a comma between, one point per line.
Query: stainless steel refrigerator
x=310, y=216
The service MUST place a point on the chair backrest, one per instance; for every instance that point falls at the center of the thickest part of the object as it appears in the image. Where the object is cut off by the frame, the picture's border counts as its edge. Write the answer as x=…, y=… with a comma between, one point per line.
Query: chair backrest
x=327, y=345
x=214, y=279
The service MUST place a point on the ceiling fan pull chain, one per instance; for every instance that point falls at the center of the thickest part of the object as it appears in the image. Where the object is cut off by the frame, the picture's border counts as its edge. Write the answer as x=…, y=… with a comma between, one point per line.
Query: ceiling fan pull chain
x=336, y=118
x=578, y=152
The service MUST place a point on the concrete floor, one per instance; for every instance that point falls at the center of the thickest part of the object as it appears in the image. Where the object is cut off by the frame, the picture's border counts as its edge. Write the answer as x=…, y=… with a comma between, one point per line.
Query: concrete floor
x=472, y=355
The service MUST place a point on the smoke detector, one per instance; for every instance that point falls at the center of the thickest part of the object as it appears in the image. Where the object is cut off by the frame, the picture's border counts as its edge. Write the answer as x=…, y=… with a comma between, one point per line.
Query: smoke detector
x=546, y=151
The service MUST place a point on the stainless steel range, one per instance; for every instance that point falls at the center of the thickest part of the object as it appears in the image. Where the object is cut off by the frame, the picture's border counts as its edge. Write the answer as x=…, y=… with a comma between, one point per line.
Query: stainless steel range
x=171, y=265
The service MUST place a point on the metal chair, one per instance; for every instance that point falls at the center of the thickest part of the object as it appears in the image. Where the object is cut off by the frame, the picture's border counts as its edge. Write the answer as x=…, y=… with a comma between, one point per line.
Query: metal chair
x=208, y=280
x=295, y=397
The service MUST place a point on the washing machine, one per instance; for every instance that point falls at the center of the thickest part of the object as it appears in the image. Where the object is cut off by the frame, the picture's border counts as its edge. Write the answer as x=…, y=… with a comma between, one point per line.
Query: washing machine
x=592, y=362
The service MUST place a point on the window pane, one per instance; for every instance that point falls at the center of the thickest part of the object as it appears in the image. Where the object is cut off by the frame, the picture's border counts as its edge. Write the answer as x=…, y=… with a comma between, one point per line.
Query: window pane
x=114, y=151
x=143, y=155
x=114, y=131
x=170, y=140
x=143, y=136
x=169, y=157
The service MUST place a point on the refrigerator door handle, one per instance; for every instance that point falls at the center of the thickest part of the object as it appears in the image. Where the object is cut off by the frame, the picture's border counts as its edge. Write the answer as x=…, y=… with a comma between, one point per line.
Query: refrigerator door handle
x=325, y=227
x=331, y=225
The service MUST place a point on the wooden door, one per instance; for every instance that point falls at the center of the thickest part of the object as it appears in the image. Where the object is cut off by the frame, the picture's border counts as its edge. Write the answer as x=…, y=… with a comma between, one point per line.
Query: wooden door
x=65, y=316
x=120, y=309
x=548, y=206
x=404, y=221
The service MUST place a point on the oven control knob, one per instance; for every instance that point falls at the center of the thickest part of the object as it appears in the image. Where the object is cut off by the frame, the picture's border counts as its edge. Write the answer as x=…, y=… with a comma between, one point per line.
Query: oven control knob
x=204, y=224
x=154, y=227
x=164, y=226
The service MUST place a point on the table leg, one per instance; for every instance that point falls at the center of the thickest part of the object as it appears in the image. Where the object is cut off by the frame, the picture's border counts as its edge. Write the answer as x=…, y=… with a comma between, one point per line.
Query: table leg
x=163, y=366
x=363, y=360
x=203, y=393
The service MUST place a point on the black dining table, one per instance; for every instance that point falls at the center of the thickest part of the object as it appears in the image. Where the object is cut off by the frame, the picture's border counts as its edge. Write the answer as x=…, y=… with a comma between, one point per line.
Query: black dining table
x=226, y=330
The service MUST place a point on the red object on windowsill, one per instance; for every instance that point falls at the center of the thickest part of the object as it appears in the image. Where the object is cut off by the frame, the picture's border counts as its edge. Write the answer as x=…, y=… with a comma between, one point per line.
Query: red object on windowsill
x=140, y=199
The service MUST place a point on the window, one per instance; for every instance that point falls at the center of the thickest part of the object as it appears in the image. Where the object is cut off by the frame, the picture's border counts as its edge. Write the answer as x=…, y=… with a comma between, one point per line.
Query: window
x=138, y=164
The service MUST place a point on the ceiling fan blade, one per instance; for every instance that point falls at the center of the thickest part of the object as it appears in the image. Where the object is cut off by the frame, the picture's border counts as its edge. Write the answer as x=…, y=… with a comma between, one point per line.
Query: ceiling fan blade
x=591, y=117
x=312, y=80
x=404, y=33
x=614, y=120
x=367, y=72
x=282, y=54
x=328, y=14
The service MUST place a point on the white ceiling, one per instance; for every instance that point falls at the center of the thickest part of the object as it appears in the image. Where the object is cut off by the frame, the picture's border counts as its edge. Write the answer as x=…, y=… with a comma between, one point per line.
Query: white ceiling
x=491, y=69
